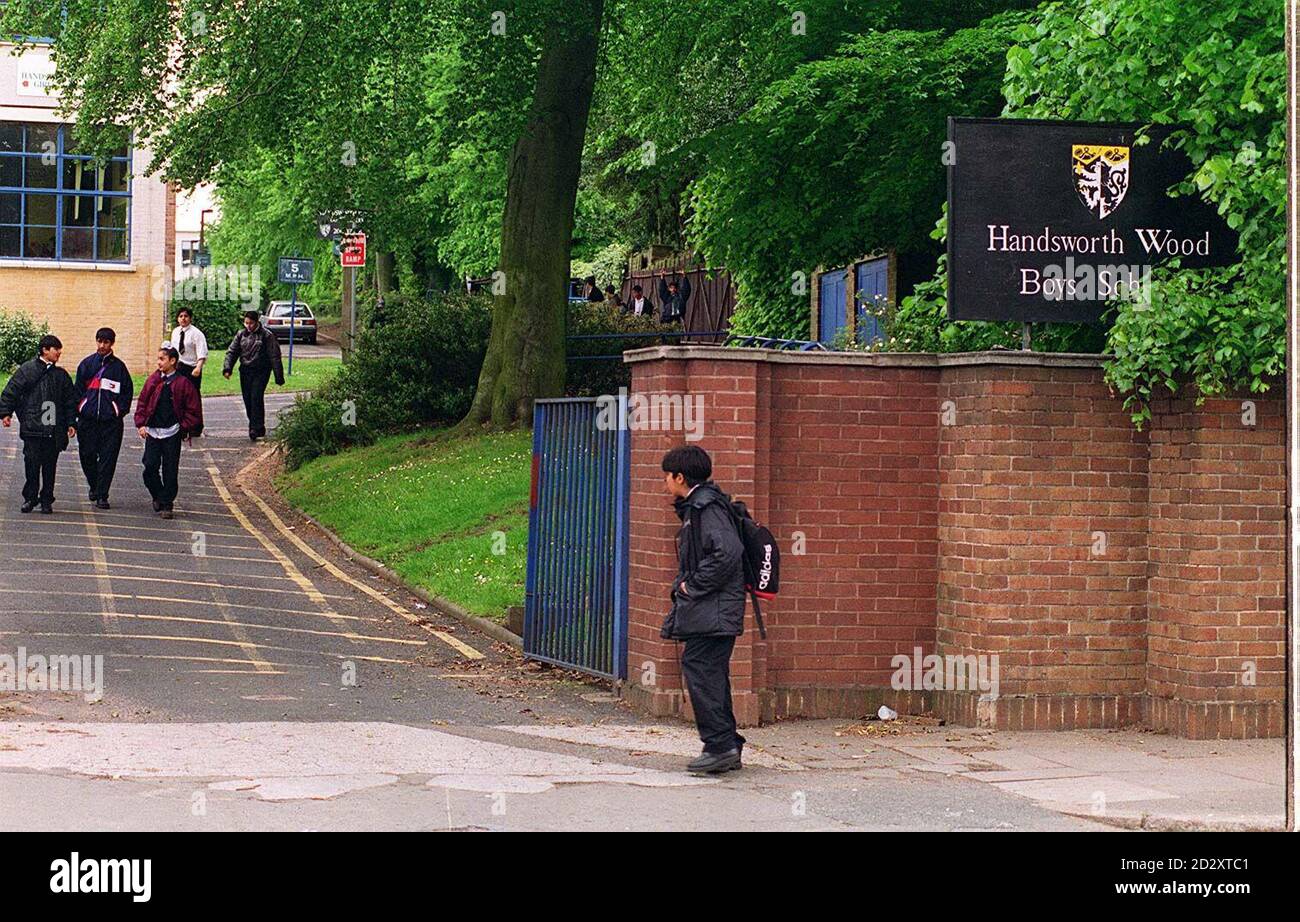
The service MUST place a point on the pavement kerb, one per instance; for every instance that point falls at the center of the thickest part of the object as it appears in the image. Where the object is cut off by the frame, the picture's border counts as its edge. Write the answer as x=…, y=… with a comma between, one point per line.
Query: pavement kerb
x=1151, y=823
x=482, y=625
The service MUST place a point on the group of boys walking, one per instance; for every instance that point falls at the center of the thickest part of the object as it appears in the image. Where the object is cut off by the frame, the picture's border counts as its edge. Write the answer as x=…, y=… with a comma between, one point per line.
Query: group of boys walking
x=53, y=408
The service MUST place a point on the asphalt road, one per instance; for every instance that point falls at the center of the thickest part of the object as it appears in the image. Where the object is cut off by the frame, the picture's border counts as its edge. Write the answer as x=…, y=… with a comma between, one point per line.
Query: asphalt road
x=253, y=678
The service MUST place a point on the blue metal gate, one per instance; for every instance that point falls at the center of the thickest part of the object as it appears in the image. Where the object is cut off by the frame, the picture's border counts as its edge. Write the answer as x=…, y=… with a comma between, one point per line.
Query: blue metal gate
x=575, y=610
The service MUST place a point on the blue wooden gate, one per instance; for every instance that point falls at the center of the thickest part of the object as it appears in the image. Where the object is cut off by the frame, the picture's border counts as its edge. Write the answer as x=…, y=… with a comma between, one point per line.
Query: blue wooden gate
x=575, y=610
x=872, y=290
x=832, y=315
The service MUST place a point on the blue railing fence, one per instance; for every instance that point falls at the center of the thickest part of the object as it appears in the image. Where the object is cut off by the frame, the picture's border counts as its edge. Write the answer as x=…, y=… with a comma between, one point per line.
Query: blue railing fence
x=575, y=611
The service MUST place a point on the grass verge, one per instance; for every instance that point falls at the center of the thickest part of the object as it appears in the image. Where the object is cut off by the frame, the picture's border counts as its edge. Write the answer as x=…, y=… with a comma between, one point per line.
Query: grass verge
x=447, y=514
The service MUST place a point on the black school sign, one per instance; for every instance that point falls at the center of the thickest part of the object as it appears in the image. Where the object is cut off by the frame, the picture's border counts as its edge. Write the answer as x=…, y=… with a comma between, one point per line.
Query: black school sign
x=1055, y=221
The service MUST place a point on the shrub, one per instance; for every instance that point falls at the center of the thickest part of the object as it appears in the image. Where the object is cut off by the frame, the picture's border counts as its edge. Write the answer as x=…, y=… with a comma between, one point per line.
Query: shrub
x=319, y=425
x=590, y=378
x=19, y=337
x=418, y=366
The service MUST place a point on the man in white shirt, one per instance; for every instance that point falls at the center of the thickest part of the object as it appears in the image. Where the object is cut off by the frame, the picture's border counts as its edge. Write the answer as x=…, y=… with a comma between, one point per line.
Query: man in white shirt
x=639, y=305
x=189, y=341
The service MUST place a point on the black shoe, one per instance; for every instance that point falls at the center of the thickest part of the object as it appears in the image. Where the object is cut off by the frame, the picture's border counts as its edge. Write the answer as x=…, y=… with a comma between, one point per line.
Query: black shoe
x=157, y=506
x=47, y=509
x=714, y=763
x=102, y=503
x=252, y=436
x=27, y=507
x=93, y=496
x=167, y=514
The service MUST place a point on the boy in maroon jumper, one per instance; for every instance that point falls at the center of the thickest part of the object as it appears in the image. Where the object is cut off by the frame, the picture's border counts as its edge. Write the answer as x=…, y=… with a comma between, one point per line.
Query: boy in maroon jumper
x=168, y=412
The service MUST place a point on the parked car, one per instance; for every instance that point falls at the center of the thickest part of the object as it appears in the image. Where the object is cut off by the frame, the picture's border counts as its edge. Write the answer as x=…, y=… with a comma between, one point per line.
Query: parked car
x=276, y=319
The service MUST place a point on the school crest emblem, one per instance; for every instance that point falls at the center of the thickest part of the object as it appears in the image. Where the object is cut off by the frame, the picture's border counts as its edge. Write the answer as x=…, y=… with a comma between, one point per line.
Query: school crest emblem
x=1101, y=176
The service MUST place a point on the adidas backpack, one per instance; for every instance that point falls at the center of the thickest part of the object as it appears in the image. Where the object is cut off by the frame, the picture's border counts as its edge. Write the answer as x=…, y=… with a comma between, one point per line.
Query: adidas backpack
x=761, y=557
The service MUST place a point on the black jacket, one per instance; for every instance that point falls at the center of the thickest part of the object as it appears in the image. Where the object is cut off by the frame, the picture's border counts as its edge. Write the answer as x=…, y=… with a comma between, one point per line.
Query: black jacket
x=256, y=351
x=106, y=396
x=710, y=563
x=673, y=307
x=35, y=387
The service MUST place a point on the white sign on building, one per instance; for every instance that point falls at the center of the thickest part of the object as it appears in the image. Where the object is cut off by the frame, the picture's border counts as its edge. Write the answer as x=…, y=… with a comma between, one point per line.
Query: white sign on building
x=34, y=77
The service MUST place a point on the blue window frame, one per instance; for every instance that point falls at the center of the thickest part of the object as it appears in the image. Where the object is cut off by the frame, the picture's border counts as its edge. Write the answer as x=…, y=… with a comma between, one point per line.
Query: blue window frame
x=59, y=204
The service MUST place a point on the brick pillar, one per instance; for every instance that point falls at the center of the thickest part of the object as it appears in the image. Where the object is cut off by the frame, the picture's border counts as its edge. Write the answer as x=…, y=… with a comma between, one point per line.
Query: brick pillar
x=1216, y=598
x=735, y=416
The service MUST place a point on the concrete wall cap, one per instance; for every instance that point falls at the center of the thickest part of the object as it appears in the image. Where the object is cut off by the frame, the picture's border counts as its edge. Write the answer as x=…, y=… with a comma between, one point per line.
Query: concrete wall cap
x=869, y=359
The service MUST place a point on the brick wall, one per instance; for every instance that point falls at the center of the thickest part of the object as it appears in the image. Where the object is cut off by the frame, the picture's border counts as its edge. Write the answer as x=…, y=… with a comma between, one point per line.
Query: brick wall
x=997, y=504
x=1217, y=587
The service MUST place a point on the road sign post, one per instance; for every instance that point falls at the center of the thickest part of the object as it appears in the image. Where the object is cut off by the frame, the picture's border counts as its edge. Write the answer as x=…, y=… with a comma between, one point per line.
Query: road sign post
x=294, y=271
x=352, y=256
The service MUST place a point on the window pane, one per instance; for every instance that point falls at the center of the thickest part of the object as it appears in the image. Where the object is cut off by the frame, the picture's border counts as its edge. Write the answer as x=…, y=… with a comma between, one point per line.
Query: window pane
x=113, y=211
x=9, y=242
x=78, y=243
x=41, y=175
x=79, y=174
x=39, y=243
x=11, y=208
x=115, y=177
x=11, y=136
x=42, y=139
x=40, y=209
x=112, y=245
x=78, y=211
x=11, y=171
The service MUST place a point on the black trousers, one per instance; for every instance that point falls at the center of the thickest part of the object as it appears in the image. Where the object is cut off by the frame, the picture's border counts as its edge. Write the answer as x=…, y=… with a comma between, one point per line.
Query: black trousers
x=162, y=464
x=188, y=371
x=252, y=383
x=40, y=461
x=99, y=441
x=706, y=666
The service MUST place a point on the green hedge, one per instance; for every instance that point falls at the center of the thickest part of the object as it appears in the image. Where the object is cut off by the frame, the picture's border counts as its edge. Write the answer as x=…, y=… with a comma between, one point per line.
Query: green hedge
x=20, y=337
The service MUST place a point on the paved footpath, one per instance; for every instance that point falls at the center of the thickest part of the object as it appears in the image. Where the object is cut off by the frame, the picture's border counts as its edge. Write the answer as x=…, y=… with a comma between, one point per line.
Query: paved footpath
x=256, y=679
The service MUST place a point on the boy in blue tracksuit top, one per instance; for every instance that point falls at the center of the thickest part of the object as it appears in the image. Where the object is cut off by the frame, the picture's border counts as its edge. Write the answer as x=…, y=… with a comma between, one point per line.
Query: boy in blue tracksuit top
x=104, y=392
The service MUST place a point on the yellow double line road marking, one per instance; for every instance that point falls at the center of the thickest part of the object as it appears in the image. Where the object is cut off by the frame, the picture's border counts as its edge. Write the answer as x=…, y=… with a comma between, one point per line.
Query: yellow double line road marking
x=463, y=648
x=290, y=568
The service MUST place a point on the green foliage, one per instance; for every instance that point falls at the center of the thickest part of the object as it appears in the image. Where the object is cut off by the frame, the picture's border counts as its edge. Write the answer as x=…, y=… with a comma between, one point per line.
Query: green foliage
x=608, y=265
x=317, y=425
x=418, y=366
x=1219, y=71
x=266, y=214
x=19, y=337
x=606, y=376
x=838, y=159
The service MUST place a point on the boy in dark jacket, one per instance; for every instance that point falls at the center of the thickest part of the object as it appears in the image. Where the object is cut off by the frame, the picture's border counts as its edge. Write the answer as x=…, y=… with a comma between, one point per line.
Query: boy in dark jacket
x=257, y=351
x=104, y=390
x=708, y=597
x=45, y=399
x=169, y=411
x=674, y=296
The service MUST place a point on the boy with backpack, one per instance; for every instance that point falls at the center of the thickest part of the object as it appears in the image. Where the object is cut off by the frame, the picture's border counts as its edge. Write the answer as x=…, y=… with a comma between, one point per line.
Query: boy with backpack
x=722, y=554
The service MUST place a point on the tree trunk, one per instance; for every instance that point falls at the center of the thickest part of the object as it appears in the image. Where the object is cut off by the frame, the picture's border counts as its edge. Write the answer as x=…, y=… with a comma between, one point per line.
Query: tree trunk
x=385, y=272
x=525, y=356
